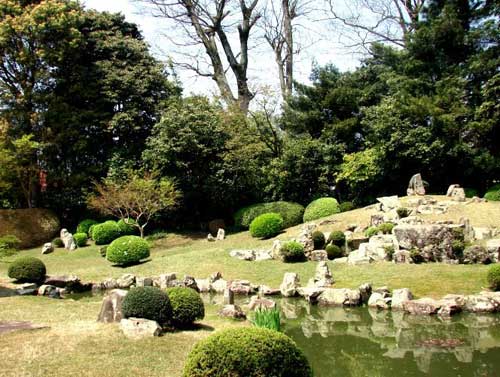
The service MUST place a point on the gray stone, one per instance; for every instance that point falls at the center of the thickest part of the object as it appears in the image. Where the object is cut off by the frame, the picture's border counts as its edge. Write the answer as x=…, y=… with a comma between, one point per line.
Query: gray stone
x=318, y=256
x=248, y=255
x=365, y=290
x=477, y=254
x=342, y=260
x=143, y=282
x=232, y=311
x=481, y=303
x=311, y=294
x=49, y=291
x=219, y=286
x=379, y=301
x=305, y=237
x=203, y=285
x=47, y=248
x=290, y=284
x=359, y=257
x=190, y=282
x=126, y=281
x=449, y=192
x=419, y=236
x=268, y=291
x=211, y=238
x=376, y=219
x=221, y=234
x=493, y=248
x=389, y=203
x=261, y=255
x=402, y=256
x=257, y=302
x=137, y=328
x=165, y=280
x=228, y=297
x=68, y=240
x=416, y=186
x=482, y=233
x=340, y=297
x=111, y=308
x=458, y=194
x=400, y=296
x=323, y=277
x=376, y=248
x=241, y=287
x=215, y=276
x=276, y=249
x=423, y=306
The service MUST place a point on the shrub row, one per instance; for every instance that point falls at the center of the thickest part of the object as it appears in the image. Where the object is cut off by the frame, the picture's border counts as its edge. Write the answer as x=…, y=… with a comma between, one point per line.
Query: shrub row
x=321, y=207
x=290, y=212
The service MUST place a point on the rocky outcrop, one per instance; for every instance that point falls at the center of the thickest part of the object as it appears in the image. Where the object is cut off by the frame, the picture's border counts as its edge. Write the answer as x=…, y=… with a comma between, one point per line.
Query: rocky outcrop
x=290, y=284
x=111, y=308
x=305, y=238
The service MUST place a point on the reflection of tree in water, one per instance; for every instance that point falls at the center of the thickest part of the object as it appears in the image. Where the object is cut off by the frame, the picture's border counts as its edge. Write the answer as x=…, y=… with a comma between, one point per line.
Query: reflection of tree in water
x=363, y=342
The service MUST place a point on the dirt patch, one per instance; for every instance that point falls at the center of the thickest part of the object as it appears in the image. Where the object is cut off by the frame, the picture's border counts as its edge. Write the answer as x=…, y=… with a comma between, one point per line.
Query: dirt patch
x=8, y=326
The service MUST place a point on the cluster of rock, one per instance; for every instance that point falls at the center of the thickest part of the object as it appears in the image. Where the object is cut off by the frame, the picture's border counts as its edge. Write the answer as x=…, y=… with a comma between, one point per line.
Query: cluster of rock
x=221, y=235
x=67, y=239
x=54, y=287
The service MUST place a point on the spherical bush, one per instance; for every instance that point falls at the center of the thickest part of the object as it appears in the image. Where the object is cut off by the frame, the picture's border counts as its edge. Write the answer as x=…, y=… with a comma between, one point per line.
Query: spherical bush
x=337, y=237
x=334, y=252
x=266, y=225
x=127, y=227
x=249, y=352
x=346, y=206
x=149, y=303
x=84, y=226
x=493, y=277
x=187, y=306
x=403, y=212
x=57, y=242
x=371, y=231
x=127, y=250
x=318, y=240
x=321, y=207
x=386, y=228
x=291, y=213
x=292, y=252
x=105, y=233
x=80, y=239
x=493, y=194
x=27, y=270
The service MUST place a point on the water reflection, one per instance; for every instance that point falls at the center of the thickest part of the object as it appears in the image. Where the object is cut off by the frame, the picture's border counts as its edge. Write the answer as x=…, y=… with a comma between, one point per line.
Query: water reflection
x=366, y=342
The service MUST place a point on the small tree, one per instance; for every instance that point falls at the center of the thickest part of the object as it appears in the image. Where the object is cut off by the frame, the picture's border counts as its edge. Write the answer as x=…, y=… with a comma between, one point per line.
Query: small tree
x=136, y=199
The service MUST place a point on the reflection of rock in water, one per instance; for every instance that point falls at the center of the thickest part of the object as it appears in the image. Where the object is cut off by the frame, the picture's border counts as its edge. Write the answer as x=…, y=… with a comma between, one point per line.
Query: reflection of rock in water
x=400, y=334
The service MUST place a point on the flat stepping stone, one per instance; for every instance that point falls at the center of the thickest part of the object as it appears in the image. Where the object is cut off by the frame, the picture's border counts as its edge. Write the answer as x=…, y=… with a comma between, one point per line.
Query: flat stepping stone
x=8, y=326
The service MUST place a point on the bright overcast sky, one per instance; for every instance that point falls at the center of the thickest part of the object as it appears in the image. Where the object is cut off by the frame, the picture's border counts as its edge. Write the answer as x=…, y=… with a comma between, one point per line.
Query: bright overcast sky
x=261, y=68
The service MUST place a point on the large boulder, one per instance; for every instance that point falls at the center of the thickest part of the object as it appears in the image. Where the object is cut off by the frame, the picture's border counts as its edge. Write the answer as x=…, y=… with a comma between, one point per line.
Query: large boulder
x=378, y=246
x=111, y=308
x=305, y=237
x=323, y=277
x=33, y=226
x=416, y=186
x=290, y=284
x=67, y=239
x=137, y=328
x=340, y=297
x=420, y=236
x=400, y=296
x=423, y=306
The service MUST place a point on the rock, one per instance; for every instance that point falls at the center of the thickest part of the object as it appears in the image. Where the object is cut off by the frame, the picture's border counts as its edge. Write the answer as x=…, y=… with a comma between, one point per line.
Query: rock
x=68, y=240
x=126, y=281
x=276, y=249
x=365, y=290
x=164, y=280
x=203, y=285
x=211, y=238
x=477, y=254
x=228, y=297
x=219, y=286
x=257, y=302
x=268, y=291
x=111, y=308
x=376, y=220
x=47, y=248
x=190, y=282
x=71, y=283
x=378, y=246
x=400, y=297
x=389, y=203
x=423, y=306
x=481, y=233
x=323, y=278
x=137, y=328
x=342, y=260
x=419, y=236
x=248, y=255
x=215, y=276
x=402, y=256
x=143, y=282
x=290, y=284
x=305, y=237
x=311, y=294
x=379, y=301
x=241, y=287
x=340, y=297
x=355, y=241
x=261, y=255
x=449, y=307
x=232, y=311
x=221, y=234
x=493, y=248
x=215, y=225
x=456, y=193
x=358, y=257
x=416, y=186
x=49, y=291
x=318, y=256
x=27, y=289
x=481, y=303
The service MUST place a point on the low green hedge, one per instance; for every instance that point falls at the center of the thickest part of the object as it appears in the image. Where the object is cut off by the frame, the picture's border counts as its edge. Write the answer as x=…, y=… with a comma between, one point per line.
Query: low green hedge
x=346, y=206
x=321, y=207
x=80, y=239
x=187, y=306
x=266, y=225
x=493, y=277
x=84, y=226
x=149, y=303
x=105, y=233
x=247, y=352
x=127, y=250
x=290, y=212
x=27, y=270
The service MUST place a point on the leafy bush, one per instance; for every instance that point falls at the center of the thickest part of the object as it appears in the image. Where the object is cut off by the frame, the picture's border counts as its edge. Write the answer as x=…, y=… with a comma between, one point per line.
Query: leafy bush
x=321, y=207
x=103, y=250
x=389, y=252
x=371, y=231
x=105, y=233
x=493, y=194
x=149, y=303
x=471, y=192
x=268, y=319
x=292, y=252
x=493, y=277
x=334, y=251
x=386, y=228
x=80, y=239
x=127, y=227
x=27, y=270
x=127, y=250
x=319, y=240
x=458, y=234
x=403, y=212
x=346, y=206
x=416, y=256
x=187, y=306
x=57, y=242
x=9, y=242
x=249, y=352
x=290, y=212
x=84, y=226
x=458, y=247
x=266, y=225
x=337, y=237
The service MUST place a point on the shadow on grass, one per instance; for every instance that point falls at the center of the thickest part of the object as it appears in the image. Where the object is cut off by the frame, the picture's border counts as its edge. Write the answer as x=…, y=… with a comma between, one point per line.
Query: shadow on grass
x=123, y=266
x=7, y=292
x=193, y=327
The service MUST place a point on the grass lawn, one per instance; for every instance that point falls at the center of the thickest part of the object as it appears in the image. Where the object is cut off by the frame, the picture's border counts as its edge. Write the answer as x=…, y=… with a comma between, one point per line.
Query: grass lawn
x=76, y=345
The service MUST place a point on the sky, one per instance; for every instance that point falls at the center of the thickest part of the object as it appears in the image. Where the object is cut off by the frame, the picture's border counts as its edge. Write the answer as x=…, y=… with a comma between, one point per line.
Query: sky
x=321, y=49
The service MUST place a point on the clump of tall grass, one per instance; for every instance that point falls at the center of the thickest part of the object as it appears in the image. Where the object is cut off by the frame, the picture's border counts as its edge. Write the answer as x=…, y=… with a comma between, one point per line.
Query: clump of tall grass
x=268, y=318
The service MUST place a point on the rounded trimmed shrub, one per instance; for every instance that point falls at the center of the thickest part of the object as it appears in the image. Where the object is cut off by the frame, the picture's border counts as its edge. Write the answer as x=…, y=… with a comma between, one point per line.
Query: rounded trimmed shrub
x=105, y=233
x=249, y=352
x=187, y=306
x=334, y=252
x=493, y=193
x=80, y=239
x=84, y=226
x=337, y=237
x=149, y=303
x=493, y=277
x=127, y=227
x=57, y=242
x=27, y=270
x=403, y=212
x=321, y=207
x=319, y=240
x=127, y=250
x=346, y=206
x=371, y=231
x=266, y=225
x=292, y=252
x=290, y=212
x=386, y=228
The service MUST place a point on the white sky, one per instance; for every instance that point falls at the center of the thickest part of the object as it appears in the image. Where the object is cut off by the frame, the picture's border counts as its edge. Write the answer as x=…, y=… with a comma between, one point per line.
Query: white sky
x=261, y=68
